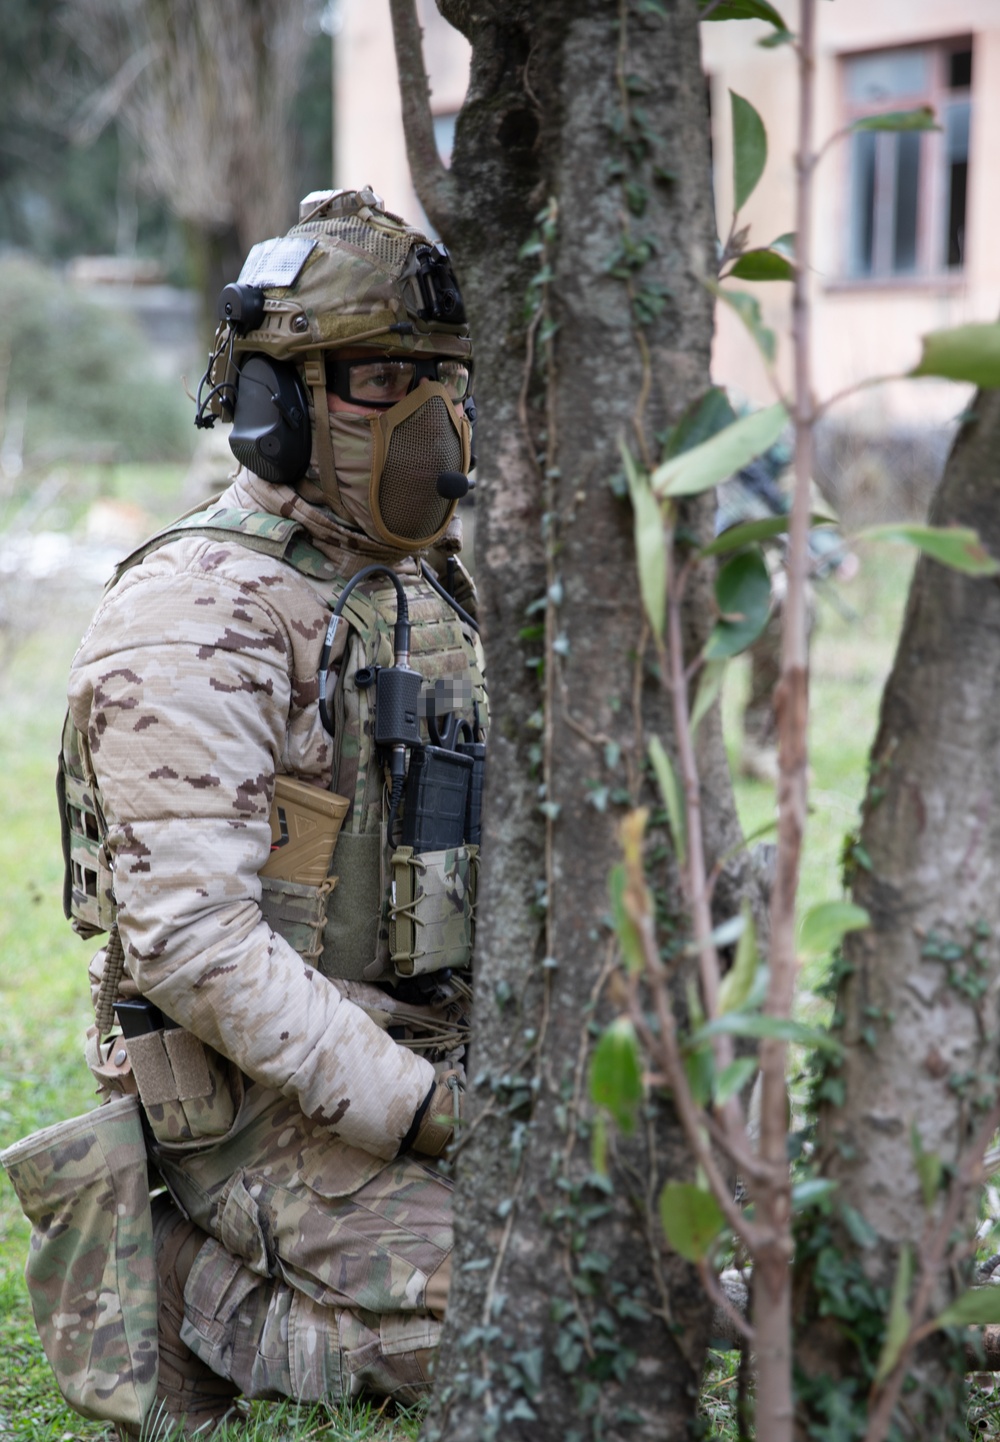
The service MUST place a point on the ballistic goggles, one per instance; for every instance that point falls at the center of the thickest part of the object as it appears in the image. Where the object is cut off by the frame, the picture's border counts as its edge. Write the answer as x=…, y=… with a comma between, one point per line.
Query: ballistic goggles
x=384, y=382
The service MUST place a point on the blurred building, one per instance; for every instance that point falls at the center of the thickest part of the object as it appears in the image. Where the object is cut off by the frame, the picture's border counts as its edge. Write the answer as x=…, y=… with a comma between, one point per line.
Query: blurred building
x=369, y=148
x=905, y=223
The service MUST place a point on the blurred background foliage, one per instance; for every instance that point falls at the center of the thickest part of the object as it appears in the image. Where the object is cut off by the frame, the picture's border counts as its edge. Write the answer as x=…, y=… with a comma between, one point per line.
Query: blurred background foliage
x=75, y=378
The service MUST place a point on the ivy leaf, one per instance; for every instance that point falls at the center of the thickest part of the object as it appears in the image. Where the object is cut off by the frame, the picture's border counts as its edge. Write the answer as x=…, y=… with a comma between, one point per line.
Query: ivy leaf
x=956, y=546
x=898, y=1324
x=920, y=119
x=721, y=456
x=670, y=790
x=616, y=1073
x=738, y=981
x=962, y=353
x=743, y=595
x=702, y=420
x=709, y=686
x=747, y=307
x=749, y=149
x=978, y=1307
x=811, y=1192
x=650, y=544
x=692, y=1219
x=824, y=924
x=762, y=264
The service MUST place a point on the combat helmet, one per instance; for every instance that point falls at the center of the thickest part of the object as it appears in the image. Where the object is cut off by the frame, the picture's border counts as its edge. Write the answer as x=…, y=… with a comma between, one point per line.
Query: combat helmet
x=349, y=274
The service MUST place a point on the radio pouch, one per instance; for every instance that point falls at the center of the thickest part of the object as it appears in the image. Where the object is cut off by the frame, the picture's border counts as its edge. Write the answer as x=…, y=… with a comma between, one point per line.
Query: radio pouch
x=83, y=1184
x=432, y=912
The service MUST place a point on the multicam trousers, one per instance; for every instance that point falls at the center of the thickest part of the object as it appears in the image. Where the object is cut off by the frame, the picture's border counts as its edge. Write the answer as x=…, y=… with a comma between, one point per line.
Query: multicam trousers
x=327, y=1270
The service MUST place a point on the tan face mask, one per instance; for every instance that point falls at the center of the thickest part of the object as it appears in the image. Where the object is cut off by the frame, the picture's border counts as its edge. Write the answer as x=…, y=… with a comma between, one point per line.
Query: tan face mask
x=388, y=465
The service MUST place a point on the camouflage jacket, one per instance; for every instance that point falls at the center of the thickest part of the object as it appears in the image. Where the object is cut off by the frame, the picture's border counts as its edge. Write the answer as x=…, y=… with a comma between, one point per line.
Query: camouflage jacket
x=195, y=685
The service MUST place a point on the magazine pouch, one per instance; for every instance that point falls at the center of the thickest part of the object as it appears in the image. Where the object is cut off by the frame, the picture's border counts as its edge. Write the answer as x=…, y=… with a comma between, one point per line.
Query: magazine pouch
x=91, y=1275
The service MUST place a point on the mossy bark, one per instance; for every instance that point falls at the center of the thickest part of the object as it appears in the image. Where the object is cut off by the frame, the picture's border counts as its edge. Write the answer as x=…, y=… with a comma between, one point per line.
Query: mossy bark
x=917, y=1009
x=568, y=1318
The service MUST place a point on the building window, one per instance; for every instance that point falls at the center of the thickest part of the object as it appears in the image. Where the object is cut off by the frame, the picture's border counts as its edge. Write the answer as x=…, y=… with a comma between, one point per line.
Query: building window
x=907, y=196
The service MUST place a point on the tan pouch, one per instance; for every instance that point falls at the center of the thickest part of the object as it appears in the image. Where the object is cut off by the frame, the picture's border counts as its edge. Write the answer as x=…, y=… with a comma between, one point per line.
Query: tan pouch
x=297, y=912
x=432, y=913
x=305, y=824
x=188, y=1091
x=83, y=1185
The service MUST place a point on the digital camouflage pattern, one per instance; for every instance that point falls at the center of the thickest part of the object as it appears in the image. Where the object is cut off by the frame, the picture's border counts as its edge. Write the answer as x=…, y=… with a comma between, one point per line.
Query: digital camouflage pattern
x=83, y=1185
x=194, y=686
x=185, y=735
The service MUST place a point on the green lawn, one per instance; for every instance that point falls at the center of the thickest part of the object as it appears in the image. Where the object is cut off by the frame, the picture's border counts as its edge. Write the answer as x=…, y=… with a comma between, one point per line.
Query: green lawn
x=44, y=1003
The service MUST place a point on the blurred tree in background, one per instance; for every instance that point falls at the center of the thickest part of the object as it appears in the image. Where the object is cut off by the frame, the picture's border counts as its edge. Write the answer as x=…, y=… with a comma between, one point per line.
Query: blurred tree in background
x=75, y=382
x=181, y=130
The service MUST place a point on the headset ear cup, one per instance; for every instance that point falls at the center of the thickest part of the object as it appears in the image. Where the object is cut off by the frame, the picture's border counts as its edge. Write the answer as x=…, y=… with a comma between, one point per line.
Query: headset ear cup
x=271, y=434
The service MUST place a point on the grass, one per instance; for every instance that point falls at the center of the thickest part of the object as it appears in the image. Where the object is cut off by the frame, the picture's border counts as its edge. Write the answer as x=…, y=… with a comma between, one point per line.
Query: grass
x=44, y=1002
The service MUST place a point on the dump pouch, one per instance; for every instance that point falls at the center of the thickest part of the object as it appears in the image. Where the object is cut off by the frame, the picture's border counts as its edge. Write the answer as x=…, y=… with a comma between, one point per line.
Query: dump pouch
x=432, y=913
x=83, y=1184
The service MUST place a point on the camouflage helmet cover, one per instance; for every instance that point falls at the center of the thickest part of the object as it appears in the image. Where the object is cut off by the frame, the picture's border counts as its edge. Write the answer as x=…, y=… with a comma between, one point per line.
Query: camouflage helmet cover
x=356, y=284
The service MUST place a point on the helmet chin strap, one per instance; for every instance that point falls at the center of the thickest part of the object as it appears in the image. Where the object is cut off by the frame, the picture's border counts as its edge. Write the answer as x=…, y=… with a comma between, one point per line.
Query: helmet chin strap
x=315, y=378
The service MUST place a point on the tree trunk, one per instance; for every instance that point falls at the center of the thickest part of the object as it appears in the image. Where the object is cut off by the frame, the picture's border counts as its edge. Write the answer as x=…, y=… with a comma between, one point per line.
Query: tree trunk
x=567, y=1316
x=917, y=1003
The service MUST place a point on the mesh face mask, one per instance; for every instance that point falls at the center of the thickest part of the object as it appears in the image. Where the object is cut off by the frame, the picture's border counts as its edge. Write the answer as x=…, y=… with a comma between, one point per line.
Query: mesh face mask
x=388, y=465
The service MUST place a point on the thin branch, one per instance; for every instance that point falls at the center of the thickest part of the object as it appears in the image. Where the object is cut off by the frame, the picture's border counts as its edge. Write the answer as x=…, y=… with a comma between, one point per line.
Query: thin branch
x=431, y=179
x=851, y=390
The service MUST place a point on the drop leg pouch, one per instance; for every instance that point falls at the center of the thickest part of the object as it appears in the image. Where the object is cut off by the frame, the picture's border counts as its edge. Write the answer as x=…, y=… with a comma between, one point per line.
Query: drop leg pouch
x=83, y=1184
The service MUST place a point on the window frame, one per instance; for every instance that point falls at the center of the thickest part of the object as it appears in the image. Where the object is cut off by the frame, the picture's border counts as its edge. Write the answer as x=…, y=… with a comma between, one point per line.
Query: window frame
x=932, y=228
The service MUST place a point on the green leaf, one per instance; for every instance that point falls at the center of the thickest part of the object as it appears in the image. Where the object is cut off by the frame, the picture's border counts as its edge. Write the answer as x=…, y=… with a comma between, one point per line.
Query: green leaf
x=962, y=353
x=628, y=936
x=733, y=1078
x=898, y=1323
x=721, y=456
x=673, y=799
x=747, y=307
x=616, y=1073
x=723, y=935
x=738, y=981
x=784, y=244
x=920, y=119
x=699, y=1068
x=702, y=420
x=749, y=149
x=781, y=1028
x=929, y=1167
x=650, y=544
x=746, y=10
x=811, y=1192
x=599, y=1144
x=709, y=686
x=979, y=1307
x=956, y=546
x=743, y=595
x=762, y=265
x=747, y=533
x=692, y=1219
x=824, y=924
